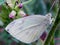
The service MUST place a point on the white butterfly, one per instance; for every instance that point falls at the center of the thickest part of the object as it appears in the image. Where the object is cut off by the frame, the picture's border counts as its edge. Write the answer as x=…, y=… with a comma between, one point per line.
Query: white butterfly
x=30, y=28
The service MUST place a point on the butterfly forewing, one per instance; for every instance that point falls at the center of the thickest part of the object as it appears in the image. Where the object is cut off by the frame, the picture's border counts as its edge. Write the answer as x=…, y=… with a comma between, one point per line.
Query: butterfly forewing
x=29, y=29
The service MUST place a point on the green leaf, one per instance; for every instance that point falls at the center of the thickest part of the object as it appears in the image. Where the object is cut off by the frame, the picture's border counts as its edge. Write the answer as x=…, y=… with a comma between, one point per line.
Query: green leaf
x=5, y=14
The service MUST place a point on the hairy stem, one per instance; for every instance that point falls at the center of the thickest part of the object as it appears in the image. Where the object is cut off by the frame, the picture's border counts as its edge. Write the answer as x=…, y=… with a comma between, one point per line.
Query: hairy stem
x=53, y=29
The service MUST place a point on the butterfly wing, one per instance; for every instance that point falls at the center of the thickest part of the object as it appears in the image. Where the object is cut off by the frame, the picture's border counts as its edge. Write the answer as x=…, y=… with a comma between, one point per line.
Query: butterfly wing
x=32, y=33
x=13, y=25
x=30, y=29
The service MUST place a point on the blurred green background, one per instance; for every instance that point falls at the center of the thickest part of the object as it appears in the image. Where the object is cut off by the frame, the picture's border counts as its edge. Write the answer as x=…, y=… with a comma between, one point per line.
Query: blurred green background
x=34, y=7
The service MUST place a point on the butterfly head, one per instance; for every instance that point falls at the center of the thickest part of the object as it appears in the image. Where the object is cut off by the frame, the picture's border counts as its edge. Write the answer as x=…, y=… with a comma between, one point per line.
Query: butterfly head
x=49, y=15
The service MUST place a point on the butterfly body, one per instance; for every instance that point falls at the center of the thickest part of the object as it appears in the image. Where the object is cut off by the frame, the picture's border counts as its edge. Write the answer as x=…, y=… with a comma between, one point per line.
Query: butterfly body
x=28, y=29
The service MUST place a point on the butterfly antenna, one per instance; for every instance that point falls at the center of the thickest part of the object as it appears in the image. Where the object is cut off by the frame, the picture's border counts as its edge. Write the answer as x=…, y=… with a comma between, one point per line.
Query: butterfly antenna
x=52, y=5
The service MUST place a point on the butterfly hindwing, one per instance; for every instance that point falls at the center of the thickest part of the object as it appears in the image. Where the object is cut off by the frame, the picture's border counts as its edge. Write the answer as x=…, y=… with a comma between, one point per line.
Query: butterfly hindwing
x=28, y=29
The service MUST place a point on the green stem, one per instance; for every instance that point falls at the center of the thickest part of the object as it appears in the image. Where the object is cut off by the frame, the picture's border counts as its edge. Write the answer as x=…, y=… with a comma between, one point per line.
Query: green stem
x=24, y=3
x=53, y=29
